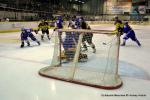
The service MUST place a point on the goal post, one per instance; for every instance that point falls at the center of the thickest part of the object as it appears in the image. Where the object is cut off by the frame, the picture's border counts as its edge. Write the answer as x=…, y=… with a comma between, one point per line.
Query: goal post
x=73, y=64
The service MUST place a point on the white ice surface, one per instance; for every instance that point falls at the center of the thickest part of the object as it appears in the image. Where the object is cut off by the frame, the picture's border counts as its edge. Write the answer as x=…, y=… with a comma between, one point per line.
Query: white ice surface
x=19, y=78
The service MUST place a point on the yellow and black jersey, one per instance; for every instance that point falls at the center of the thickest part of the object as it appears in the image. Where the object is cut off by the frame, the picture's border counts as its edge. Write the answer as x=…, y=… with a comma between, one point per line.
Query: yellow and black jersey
x=43, y=26
x=119, y=27
x=83, y=25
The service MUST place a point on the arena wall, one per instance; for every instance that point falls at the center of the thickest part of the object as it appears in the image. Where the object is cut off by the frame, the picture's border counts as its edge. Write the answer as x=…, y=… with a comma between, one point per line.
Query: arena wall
x=17, y=15
x=16, y=26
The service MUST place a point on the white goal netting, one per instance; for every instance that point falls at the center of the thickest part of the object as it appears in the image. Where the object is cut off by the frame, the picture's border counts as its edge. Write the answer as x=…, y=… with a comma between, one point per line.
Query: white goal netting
x=87, y=57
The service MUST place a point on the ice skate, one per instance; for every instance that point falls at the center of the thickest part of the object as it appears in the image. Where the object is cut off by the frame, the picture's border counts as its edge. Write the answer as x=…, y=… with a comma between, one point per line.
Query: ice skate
x=123, y=44
x=28, y=44
x=38, y=43
x=94, y=50
x=22, y=45
x=83, y=57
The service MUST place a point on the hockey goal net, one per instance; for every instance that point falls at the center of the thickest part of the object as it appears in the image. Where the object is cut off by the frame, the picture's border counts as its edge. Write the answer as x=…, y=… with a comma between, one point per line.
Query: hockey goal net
x=74, y=63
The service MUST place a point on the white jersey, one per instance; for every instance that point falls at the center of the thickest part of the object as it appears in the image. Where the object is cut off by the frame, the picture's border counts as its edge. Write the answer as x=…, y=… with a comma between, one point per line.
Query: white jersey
x=71, y=23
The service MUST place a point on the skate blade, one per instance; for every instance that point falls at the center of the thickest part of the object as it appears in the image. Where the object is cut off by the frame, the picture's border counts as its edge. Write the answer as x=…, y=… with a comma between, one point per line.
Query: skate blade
x=83, y=60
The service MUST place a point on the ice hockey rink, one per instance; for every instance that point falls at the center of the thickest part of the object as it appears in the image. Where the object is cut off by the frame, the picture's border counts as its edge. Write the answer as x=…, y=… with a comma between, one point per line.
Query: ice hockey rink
x=19, y=67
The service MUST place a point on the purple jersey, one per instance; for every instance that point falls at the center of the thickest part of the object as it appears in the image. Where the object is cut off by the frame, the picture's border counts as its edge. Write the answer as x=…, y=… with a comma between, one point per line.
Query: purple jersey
x=129, y=32
x=59, y=23
x=77, y=22
x=27, y=32
x=69, y=41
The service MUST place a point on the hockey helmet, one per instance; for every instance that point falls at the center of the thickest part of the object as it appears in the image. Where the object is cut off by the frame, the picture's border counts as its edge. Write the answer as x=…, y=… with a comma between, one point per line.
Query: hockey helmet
x=116, y=18
x=22, y=29
x=126, y=23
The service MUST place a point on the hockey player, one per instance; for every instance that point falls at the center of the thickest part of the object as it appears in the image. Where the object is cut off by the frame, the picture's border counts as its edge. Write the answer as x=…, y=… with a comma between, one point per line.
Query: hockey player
x=119, y=25
x=87, y=37
x=83, y=24
x=78, y=23
x=129, y=33
x=69, y=45
x=71, y=22
x=59, y=23
x=44, y=27
x=27, y=32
